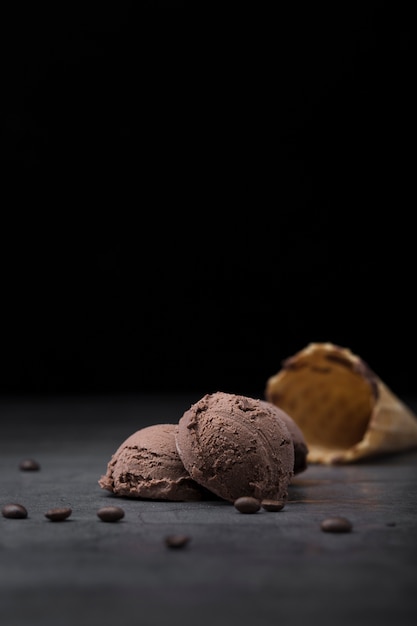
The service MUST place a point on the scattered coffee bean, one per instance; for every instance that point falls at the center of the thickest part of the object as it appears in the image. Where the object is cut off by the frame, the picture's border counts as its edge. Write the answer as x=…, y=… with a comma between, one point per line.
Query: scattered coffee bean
x=58, y=514
x=14, y=511
x=110, y=513
x=336, y=525
x=176, y=541
x=247, y=504
x=29, y=465
x=272, y=505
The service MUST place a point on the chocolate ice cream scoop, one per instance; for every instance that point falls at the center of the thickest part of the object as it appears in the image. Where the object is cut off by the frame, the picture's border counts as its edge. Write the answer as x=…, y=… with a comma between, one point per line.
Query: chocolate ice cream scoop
x=299, y=442
x=236, y=446
x=147, y=465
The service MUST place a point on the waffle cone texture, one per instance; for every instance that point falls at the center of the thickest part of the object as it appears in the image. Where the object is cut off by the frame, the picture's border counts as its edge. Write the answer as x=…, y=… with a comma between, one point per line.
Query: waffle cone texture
x=343, y=408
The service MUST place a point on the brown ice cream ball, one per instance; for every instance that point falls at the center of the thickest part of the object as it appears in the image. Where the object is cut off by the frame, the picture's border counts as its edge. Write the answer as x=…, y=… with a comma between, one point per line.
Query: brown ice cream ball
x=147, y=465
x=299, y=442
x=236, y=446
x=300, y=445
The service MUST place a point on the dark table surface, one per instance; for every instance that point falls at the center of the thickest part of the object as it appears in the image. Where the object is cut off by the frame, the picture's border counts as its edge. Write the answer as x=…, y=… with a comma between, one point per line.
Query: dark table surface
x=264, y=568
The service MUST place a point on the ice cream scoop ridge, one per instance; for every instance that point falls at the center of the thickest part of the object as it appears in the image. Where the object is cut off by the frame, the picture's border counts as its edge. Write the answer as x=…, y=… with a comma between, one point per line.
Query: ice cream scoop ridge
x=236, y=446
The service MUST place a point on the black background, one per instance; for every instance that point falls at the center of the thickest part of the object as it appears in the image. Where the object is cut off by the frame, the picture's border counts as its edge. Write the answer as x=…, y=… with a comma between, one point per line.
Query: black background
x=191, y=194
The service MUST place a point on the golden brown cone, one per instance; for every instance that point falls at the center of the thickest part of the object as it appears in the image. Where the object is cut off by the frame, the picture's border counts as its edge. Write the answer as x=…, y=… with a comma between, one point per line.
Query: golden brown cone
x=343, y=408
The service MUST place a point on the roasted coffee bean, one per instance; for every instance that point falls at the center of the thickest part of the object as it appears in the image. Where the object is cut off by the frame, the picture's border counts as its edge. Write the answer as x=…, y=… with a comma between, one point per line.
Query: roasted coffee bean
x=58, y=514
x=247, y=504
x=336, y=525
x=272, y=505
x=29, y=465
x=176, y=541
x=110, y=513
x=14, y=511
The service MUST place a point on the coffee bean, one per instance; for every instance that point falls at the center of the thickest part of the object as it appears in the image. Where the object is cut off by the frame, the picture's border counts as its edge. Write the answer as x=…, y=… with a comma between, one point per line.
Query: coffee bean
x=247, y=504
x=176, y=541
x=336, y=525
x=29, y=465
x=110, y=513
x=14, y=511
x=58, y=514
x=272, y=505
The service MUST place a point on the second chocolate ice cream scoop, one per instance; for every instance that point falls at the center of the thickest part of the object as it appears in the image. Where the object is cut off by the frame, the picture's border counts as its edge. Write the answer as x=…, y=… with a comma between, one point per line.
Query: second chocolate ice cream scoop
x=299, y=442
x=147, y=465
x=236, y=446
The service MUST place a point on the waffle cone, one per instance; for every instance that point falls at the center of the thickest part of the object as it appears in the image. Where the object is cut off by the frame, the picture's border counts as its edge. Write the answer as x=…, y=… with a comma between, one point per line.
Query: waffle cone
x=343, y=408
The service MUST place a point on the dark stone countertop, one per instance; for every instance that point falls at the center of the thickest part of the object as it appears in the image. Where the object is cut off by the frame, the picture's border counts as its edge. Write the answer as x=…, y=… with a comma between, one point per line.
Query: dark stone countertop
x=264, y=568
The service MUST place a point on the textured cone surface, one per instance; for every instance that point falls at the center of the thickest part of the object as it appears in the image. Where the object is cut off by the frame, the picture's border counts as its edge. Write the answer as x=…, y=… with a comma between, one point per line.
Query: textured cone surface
x=343, y=409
